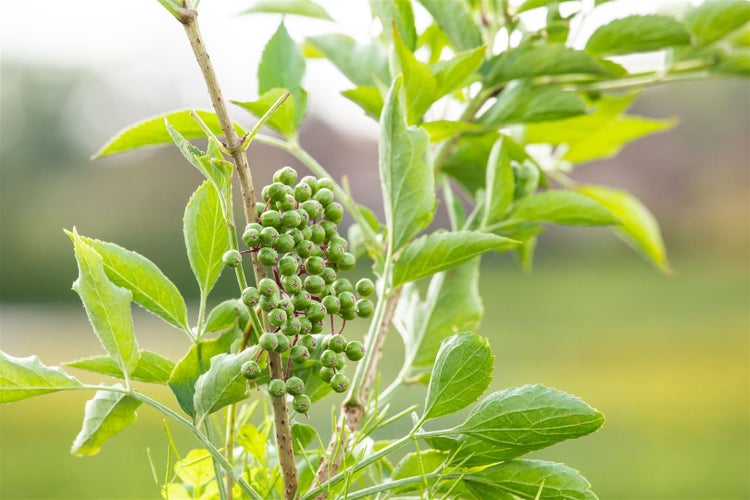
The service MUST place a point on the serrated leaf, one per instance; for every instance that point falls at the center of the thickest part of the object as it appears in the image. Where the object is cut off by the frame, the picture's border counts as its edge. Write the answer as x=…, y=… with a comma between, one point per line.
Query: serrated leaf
x=283, y=66
x=150, y=287
x=22, y=378
x=528, y=61
x=282, y=120
x=400, y=14
x=419, y=86
x=305, y=8
x=453, y=74
x=634, y=34
x=530, y=479
x=196, y=362
x=363, y=65
x=206, y=237
x=367, y=98
x=638, y=226
x=455, y=20
x=440, y=130
x=461, y=374
x=223, y=383
x=107, y=306
x=418, y=464
x=302, y=436
x=443, y=250
x=405, y=173
x=500, y=184
x=532, y=417
x=151, y=367
x=563, y=207
x=524, y=103
x=712, y=20
x=600, y=134
x=106, y=415
x=152, y=132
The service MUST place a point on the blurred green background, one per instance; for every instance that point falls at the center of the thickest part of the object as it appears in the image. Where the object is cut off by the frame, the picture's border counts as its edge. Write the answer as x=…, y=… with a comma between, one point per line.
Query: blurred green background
x=664, y=357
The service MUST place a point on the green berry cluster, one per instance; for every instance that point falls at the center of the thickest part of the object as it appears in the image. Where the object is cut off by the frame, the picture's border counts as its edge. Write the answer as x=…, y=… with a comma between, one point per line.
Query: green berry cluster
x=297, y=238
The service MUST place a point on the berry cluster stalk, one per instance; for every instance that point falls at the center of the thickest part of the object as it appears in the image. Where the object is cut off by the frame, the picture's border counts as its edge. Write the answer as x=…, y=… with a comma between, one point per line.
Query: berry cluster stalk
x=234, y=144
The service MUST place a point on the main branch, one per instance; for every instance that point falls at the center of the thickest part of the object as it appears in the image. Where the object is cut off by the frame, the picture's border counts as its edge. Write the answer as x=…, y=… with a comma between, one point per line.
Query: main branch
x=247, y=189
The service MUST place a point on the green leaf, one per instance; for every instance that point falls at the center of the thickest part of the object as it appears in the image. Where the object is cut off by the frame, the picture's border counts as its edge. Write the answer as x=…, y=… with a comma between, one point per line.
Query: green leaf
x=254, y=441
x=500, y=184
x=363, y=65
x=528, y=61
x=443, y=250
x=524, y=103
x=453, y=74
x=420, y=85
x=563, y=207
x=455, y=20
x=196, y=362
x=638, y=226
x=231, y=313
x=283, y=66
x=304, y=8
x=462, y=372
x=400, y=14
x=368, y=98
x=534, y=4
x=152, y=132
x=712, y=20
x=107, y=306
x=637, y=34
x=418, y=464
x=150, y=287
x=106, y=415
x=532, y=417
x=22, y=378
x=600, y=134
x=736, y=63
x=440, y=130
x=151, y=367
x=530, y=479
x=406, y=173
x=196, y=469
x=206, y=237
x=223, y=383
x=282, y=120
x=302, y=436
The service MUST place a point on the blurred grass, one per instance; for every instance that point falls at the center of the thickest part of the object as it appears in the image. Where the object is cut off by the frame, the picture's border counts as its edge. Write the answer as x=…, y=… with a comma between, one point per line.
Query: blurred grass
x=665, y=358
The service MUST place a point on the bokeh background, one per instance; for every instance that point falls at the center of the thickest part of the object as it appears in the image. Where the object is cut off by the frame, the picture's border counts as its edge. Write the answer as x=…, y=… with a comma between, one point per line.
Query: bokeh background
x=664, y=357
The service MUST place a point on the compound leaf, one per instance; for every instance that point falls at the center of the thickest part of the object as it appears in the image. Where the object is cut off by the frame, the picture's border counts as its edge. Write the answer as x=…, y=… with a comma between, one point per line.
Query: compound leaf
x=637, y=34
x=452, y=75
x=22, y=378
x=106, y=414
x=563, y=207
x=455, y=20
x=363, y=65
x=405, y=173
x=420, y=85
x=462, y=372
x=151, y=367
x=523, y=103
x=713, y=20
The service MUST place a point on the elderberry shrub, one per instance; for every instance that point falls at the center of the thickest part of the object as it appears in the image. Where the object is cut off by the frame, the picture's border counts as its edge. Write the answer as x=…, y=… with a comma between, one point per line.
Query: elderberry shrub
x=296, y=238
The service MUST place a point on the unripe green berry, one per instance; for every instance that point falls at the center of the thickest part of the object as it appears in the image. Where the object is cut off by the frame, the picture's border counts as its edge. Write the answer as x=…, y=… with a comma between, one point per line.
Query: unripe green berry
x=364, y=308
x=275, y=192
x=314, y=284
x=342, y=285
x=296, y=234
x=291, y=326
x=288, y=203
x=304, y=219
x=348, y=261
x=286, y=305
x=336, y=343
x=330, y=228
x=340, y=382
x=277, y=388
x=264, y=193
x=259, y=208
x=317, y=234
x=340, y=361
x=348, y=314
x=326, y=373
x=250, y=370
x=301, y=300
x=302, y=192
x=250, y=296
x=301, y=403
x=268, y=303
x=317, y=326
x=232, y=258
x=355, y=350
x=267, y=256
x=299, y=353
x=315, y=312
x=365, y=287
x=324, y=196
x=283, y=343
x=295, y=386
x=331, y=303
x=326, y=182
x=328, y=358
x=334, y=212
x=291, y=284
x=269, y=236
x=268, y=287
x=268, y=341
x=271, y=218
x=348, y=300
x=287, y=265
x=305, y=248
x=284, y=243
x=251, y=237
x=277, y=317
x=329, y=275
x=310, y=181
x=286, y=175
x=308, y=341
x=335, y=253
x=305, y=327
x=291, y=219
x=313, y=208
x=314, y=265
